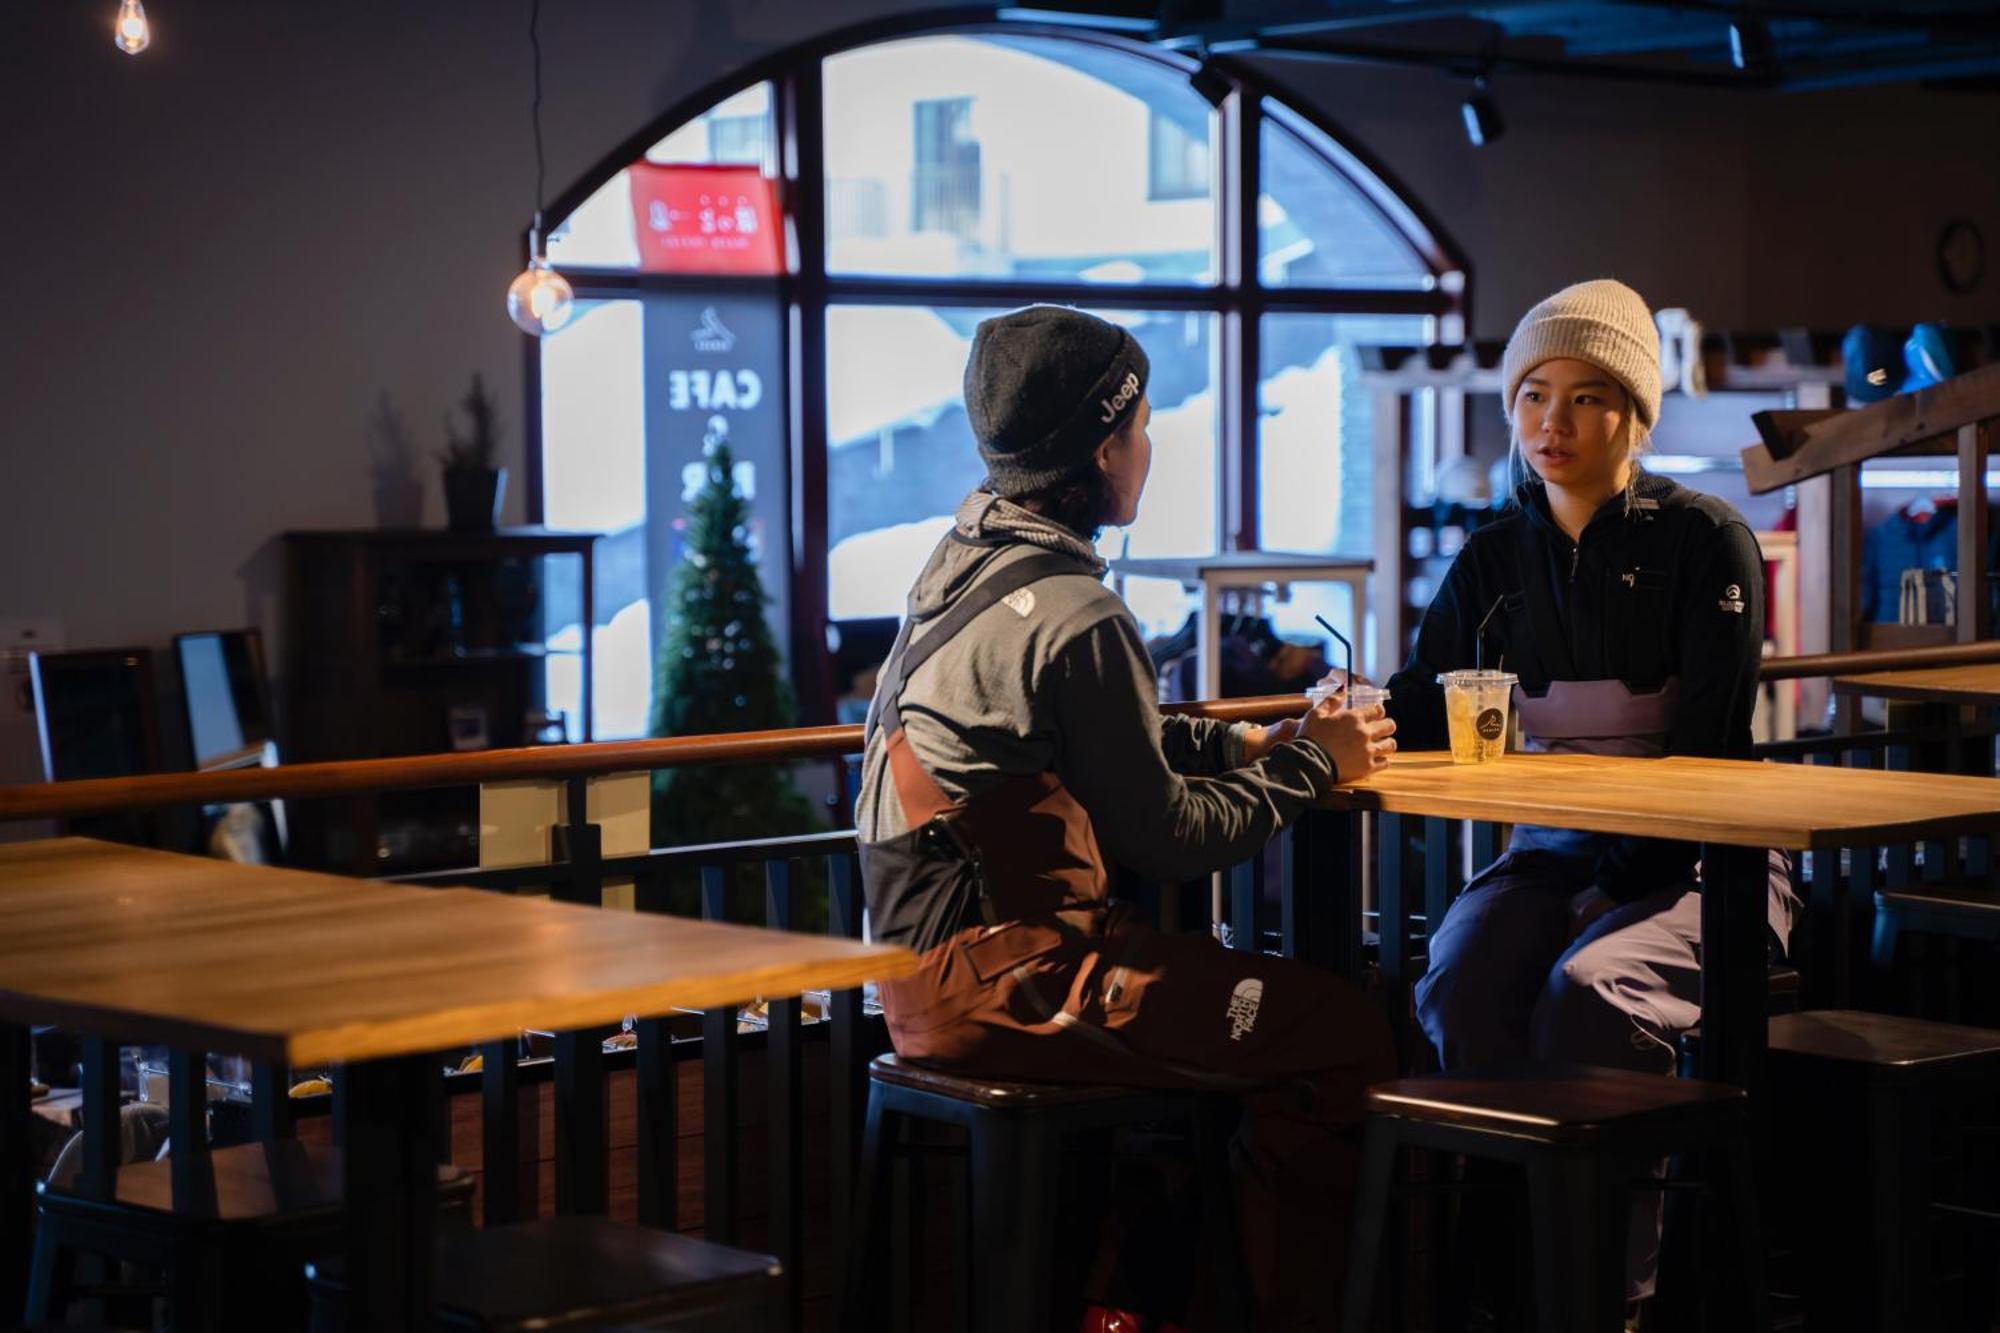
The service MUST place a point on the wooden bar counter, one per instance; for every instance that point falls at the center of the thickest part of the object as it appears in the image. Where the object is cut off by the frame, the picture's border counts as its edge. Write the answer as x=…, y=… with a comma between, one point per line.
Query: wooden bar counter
x=1977, y=685
x=306, y=969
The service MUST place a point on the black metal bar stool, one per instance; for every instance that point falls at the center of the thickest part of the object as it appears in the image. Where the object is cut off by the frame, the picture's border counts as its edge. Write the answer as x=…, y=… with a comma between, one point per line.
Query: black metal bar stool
x=1859, y=1087
x=582, y=1272
x=230, y=1229
x=1585, y=1136
x=1015, y=1134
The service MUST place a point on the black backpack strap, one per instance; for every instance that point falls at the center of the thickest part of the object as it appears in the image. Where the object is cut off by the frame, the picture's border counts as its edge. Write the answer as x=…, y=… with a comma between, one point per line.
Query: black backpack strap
x=905, y=658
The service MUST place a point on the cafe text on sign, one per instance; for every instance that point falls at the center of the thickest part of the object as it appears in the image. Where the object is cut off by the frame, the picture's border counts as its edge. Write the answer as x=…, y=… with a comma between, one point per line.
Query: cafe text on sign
x=704, y=219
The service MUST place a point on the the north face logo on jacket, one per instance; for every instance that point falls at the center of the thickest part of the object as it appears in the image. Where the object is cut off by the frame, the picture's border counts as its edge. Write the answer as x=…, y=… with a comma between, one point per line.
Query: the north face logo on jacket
x=1244, y=1002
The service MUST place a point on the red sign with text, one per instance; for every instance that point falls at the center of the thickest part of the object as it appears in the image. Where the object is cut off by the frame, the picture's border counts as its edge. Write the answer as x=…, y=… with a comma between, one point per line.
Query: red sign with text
x=702, y=219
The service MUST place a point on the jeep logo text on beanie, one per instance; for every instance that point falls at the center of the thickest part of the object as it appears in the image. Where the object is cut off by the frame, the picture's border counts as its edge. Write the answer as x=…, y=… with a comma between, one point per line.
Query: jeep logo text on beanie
x=1116, y=403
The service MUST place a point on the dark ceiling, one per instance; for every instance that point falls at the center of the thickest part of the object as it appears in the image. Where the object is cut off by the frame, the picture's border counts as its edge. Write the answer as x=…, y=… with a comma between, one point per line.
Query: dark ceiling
x=1788, y=46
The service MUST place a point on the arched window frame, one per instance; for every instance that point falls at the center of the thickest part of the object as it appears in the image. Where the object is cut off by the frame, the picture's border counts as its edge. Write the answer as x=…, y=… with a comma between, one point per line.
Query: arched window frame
x=1239, y=299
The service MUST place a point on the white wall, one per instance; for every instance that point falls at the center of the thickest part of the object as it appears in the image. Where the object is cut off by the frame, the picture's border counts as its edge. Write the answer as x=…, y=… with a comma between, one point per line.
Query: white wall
x=222, y=254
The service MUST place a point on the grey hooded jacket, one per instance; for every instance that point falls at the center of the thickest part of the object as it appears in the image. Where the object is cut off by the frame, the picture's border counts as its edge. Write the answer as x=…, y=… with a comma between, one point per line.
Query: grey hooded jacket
x=1056, y=679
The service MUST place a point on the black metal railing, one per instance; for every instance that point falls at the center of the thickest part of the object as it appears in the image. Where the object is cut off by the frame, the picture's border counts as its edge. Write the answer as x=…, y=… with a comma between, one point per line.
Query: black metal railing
x=1309, y=896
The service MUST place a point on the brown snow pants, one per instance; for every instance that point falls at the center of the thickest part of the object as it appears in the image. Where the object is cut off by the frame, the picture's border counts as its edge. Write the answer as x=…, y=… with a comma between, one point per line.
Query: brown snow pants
x=1095, y=996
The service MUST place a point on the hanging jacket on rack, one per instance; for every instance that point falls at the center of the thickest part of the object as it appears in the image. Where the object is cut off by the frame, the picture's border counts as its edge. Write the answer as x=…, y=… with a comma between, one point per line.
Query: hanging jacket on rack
x=1923, y=534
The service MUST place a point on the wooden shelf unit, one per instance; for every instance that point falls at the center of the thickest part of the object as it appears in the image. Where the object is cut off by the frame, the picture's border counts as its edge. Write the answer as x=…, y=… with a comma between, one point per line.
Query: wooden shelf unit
x=387, y=633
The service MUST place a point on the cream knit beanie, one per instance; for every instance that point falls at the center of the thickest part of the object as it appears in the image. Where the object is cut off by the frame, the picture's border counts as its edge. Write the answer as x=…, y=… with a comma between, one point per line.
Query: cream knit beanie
x=1603, y=322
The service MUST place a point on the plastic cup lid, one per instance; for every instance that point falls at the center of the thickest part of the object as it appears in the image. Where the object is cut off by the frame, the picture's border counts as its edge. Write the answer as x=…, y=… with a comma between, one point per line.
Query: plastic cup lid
x=1471, y=677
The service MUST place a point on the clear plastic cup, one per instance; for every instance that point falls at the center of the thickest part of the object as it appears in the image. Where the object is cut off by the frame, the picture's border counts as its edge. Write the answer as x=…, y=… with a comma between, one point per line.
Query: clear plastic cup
x=1358, y=695
x=1475, y=709
x=1366, y=696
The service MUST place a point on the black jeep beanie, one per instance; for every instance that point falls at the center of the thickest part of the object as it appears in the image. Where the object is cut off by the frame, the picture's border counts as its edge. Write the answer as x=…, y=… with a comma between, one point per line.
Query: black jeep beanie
x=1044, y=387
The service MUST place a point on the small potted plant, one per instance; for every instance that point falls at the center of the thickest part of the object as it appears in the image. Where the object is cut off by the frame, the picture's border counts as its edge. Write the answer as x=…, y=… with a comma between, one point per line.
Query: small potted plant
x=473, y=482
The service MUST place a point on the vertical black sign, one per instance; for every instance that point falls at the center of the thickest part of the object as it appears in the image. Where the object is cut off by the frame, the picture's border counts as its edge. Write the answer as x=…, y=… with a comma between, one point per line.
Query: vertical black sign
x=715, y=369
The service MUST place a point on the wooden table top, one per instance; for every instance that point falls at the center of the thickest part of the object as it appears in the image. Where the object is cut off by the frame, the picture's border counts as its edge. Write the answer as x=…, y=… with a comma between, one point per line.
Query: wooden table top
x=1733, y=802
x=1977, y=684
x=310, y=969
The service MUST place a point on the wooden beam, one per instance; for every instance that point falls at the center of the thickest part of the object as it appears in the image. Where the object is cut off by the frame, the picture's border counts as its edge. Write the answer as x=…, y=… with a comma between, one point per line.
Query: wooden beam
x=1807, y=666
x=1845, y=590
x=1815, y=510
x=51, y=800
x=1974, y=614
x=1784, y=431
x=1854, y=437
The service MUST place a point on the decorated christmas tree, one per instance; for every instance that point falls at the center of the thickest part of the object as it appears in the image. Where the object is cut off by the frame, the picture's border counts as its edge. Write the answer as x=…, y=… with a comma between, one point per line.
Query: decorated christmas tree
x=718, y=671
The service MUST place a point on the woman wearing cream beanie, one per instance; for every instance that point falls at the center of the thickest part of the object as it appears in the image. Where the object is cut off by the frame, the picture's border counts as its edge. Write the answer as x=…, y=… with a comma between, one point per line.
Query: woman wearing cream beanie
x=1605, y=326
x=1631, y=609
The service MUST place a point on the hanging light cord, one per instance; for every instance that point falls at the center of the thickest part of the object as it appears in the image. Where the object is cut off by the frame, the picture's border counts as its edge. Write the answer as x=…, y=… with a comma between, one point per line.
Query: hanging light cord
x=535, y=43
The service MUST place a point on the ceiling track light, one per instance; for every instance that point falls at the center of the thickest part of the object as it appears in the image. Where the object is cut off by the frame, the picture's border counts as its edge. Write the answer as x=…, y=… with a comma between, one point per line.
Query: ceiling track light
x=539, y=300
x=1751, y=47
x=1483, y=122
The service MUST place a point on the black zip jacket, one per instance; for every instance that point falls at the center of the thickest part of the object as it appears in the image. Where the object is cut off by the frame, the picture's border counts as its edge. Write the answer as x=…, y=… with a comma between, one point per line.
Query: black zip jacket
x=1672, y=588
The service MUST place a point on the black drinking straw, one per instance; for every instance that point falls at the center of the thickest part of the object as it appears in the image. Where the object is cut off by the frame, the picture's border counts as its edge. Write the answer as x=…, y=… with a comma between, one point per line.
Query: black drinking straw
x=1479, y=635
x=1348, y=676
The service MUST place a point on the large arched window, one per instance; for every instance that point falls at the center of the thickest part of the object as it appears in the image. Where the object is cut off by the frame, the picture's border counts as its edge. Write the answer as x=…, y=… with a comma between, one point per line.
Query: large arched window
x=798, y=261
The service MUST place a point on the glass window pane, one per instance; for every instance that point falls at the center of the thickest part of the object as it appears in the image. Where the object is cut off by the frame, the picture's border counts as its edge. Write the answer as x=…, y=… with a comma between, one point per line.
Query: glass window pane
x=633, y=392
x=1316, y=229
x=594, y=480
x=1315, y=451
x=606, y=229
x=1016, y=157
x=902, y=454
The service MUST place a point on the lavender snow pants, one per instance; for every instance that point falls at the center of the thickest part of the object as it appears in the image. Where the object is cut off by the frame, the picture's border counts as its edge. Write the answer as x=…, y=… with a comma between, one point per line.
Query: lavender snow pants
x=1507, y=983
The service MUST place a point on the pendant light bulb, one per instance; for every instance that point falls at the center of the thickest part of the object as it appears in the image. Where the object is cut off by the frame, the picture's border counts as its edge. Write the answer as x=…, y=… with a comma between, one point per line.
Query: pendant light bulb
x=132, y=32
x=540, y=300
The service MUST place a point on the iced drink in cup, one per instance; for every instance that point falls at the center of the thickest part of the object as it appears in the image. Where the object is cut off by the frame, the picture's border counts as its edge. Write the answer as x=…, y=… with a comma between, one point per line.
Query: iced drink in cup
x=1475, y=708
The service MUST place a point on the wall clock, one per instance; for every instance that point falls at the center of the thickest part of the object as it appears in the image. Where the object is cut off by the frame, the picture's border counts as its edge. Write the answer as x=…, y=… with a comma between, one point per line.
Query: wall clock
x=1961, y=256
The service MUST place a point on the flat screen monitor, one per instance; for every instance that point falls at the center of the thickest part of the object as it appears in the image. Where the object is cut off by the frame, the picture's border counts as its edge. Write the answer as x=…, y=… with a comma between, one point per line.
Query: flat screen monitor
x=223, y=686
x=95, y=712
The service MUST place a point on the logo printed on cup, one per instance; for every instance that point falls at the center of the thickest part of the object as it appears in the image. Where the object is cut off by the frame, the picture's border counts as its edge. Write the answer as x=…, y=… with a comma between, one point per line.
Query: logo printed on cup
x=1491, y=723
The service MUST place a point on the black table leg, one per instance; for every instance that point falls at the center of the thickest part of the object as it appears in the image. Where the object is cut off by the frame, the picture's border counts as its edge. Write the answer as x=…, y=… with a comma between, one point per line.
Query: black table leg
x=187, y=1129
x=1323, y=920
x=1392, y=921
x=17, y=1194
x=101, y=1131
x=389, y=1166
x=1735, y=965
